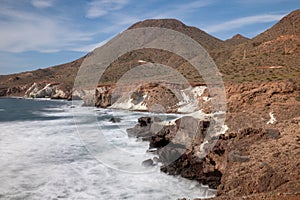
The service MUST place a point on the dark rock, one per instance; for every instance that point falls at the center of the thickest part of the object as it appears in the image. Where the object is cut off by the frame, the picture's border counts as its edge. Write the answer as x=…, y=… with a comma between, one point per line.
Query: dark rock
x=273, y=133
x=144, y=128
x=155, y=160
x=115, y=120
x=137, y=97
x=148, y=163
x=3, y=92
x=171, y=153
x=163, y=137
x=191, y=130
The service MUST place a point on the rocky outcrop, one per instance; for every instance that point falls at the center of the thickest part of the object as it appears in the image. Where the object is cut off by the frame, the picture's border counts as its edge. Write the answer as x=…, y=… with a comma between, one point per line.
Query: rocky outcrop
x=103, y=97
x=12, y=91
x=50, y=90
x=3, y=92
x=153, y=97
x=60, y=94
x=263, y=161
x=253, y=103
x=248, y=161
x=145, y=128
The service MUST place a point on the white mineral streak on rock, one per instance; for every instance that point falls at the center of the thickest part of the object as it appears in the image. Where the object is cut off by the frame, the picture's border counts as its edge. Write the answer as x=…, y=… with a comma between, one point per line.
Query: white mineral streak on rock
x=33, y=89
x=272, y=119
x=126, y=103
x=35, y=92
x=190, y=99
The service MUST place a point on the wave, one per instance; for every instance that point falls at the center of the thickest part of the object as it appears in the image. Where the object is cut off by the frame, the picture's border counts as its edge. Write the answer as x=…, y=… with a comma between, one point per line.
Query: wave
x=50, y=159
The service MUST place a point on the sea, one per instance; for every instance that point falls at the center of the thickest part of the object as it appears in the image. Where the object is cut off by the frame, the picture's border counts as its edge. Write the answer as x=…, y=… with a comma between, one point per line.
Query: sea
x=51, y=149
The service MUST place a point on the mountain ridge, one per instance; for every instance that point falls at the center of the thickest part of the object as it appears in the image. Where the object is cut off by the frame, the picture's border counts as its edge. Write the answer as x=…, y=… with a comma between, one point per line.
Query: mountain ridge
x=239, y=59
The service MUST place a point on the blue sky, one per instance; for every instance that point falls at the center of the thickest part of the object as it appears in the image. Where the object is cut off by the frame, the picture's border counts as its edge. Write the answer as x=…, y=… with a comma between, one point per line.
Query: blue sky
x=40, y=33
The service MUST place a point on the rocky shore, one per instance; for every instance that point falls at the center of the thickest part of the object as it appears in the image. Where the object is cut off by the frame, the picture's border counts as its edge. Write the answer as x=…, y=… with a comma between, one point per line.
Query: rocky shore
x=251, y=163
x=257, y=158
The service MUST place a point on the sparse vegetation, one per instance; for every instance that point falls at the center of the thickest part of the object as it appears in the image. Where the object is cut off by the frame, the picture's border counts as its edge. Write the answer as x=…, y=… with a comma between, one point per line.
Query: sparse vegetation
x=278, y=46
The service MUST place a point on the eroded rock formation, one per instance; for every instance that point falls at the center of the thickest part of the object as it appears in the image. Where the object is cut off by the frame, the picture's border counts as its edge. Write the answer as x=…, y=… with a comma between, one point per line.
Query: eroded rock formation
x=252, y=160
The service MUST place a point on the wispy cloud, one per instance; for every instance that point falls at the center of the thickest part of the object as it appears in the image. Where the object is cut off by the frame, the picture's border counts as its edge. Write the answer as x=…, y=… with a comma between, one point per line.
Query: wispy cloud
x=244, y=21
x=42, y=3
x=99, y=8
x=183, y=8
x=89, y=47
x=26, y=31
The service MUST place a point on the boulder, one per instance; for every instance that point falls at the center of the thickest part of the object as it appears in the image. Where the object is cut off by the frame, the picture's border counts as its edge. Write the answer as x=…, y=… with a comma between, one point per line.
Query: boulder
x=148, y=163
x=115, y=120
x=144, y=127
x=103, y=97
x=59, y=94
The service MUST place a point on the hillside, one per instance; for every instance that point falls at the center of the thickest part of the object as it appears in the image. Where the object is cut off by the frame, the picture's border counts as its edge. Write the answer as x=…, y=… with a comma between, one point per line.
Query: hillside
x=64, y=74
x=237, y=39
x=272, y=55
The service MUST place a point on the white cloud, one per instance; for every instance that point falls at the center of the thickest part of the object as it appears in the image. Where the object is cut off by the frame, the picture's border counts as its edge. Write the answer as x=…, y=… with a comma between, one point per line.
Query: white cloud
x=42, y=3
x=194, y=5
x=26, y=31
x=244, y=21
x=182, y=9
x=90, y=47
x=98, y=8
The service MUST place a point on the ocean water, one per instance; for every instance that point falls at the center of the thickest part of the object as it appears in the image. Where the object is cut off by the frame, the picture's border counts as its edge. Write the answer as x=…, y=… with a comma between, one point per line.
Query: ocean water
x=61, y=150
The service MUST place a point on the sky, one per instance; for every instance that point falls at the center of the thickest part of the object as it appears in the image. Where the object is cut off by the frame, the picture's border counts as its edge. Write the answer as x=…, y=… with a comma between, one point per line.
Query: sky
x=41, y=33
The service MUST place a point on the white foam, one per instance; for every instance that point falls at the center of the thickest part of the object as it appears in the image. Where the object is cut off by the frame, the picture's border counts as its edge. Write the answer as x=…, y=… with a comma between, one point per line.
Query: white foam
x=47, y=160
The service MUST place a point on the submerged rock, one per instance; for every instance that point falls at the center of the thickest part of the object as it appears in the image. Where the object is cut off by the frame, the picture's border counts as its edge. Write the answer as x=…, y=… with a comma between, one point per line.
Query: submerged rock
x=115, y=120
x=148, y=163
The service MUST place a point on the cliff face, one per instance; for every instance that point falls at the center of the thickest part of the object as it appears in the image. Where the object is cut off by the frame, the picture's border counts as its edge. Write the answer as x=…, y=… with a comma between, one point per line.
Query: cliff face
x=253, y=163
x=153, y=97
x=257, y=157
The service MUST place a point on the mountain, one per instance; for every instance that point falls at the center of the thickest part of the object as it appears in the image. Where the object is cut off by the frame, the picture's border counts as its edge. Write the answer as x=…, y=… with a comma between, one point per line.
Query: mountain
x=213, y=46
x=288, y=25
x=209, y=42
x=272, y=55
x=237, y=39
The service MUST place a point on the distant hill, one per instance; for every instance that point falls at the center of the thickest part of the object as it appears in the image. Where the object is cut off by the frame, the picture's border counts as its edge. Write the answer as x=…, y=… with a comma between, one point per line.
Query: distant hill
x=209, y=42
x=64, y=74
x=272, y=55
x=237, y=39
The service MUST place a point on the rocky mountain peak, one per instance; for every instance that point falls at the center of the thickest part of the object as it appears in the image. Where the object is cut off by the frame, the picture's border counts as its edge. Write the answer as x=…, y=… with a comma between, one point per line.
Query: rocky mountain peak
x=237, y=39
x=163, y=23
